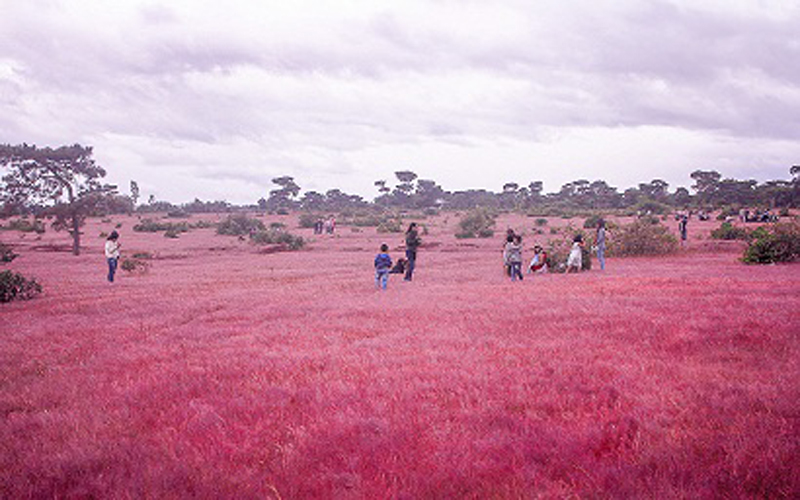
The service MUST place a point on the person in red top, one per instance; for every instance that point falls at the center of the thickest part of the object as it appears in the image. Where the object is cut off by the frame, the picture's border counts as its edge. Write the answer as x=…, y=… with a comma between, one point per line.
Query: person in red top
x=539, y=261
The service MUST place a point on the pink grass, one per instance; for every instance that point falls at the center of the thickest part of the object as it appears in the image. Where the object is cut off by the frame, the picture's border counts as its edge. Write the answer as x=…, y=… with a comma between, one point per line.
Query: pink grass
x=226, y=373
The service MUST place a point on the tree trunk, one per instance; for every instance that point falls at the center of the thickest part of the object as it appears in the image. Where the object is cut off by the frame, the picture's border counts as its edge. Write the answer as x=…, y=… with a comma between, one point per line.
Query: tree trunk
x=76, y=235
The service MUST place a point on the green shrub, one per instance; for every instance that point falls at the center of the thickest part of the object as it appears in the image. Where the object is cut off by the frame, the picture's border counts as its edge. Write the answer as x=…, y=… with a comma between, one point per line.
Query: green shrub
x=237, y=225
x=278, y=237
x=652, y=207
x=778, y=242
x=152, y=226
x=171, y=233
x=277, y=225
x=142, y=255
x=307, y=220
x=728, y=211
x=642, y=238
x=202, y=224
x=6, y=254
x=132, y=265
x=14, y=286
x=728, y=231
x=477, y=223
x=541, y=222
x=26, y=226
x=591, y=222
x=391, y=226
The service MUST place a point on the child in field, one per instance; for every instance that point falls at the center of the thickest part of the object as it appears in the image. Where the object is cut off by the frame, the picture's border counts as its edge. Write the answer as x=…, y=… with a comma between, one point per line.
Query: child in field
x=575, y=259
x=513, y=253
x=383, y=263
x=399, y=267
x=539, y=261
x=112, y=254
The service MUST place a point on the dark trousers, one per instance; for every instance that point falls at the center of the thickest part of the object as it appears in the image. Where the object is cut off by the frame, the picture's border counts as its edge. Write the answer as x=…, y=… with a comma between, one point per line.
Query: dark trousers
x=411, y=257
x=112, y=269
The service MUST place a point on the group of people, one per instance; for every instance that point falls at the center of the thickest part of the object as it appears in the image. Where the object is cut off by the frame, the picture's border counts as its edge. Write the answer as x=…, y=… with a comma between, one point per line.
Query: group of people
x=765, y=215
x=383, y=262
x=325, y=226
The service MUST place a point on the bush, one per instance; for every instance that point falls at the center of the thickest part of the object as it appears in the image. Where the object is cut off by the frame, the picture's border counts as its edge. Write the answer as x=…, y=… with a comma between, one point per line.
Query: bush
x=391, y=226
x=278, y=237
x=6, y=254
x=26, y=226
x=132, y=265
x=591, y=222
x=14, y=286
x=152, y=226
x=779, y=242
x=171, y=233
x=477, y=223
x=651, y=207
x=642, y=238
x=237, y=225
x=307, y=220
x=541, y=222
x=728, y=231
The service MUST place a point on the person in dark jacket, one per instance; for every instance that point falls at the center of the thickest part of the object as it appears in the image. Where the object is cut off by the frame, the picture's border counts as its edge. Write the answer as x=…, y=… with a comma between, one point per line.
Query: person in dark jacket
x=412, y=244
x=383, y=263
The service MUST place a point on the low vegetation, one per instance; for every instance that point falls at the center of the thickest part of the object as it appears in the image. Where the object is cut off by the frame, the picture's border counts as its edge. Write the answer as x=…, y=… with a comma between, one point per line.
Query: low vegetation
x=6, y=253
x=14, y=286
x=774, y=243
x=25, y=225
x=728, y=231
x=278, y=237
x=477, y=223
x=646, y=236
x=239, y=225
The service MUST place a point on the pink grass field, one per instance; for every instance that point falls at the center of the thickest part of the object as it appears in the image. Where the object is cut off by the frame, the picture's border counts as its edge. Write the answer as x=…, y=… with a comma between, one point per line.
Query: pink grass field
x=226, y=371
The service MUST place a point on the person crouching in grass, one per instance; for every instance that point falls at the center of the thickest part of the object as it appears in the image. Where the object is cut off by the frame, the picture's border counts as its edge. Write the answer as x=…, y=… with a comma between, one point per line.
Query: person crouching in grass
x=383, y=264
x=575, y=259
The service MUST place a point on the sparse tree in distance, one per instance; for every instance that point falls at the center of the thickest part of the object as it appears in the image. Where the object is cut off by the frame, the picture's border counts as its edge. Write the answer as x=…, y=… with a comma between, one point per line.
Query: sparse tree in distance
x=134, y=193
x=66, y=180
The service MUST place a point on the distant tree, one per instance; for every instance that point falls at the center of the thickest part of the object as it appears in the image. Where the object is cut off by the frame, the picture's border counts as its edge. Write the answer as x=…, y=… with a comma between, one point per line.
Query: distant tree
x=655, y=189
x=151, y=199
x=706, y=184
x=283, y=197
x=428, y=194
x=65, y=179
x=681, y=197
x=312, y=200
x=134, y=193
x=262, y=204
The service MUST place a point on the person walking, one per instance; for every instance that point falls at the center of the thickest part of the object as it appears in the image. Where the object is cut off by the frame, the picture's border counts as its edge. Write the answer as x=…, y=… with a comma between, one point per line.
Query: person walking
x=383, y=264
x=600, y=243
x=112, y=254
x=514, y=253
x=682, y=228
x=412, y=244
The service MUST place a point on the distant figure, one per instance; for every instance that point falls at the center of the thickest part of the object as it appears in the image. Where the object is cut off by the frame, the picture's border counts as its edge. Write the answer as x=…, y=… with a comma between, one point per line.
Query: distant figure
x=330, y=225
x=412, y=244
x=510, y=235
x=682, y=229
x=514, y=255
x=575, y=259
x=399, y=267
x=318, y=226
x=112, y=254
x=383, y=264
x=539, y=261
x=600, y=243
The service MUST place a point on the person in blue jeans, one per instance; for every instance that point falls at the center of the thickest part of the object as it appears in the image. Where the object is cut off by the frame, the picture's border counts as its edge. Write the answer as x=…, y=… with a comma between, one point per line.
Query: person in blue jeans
x=412, y=243
x=383, y=264
x=112, y=254
x=600, y=243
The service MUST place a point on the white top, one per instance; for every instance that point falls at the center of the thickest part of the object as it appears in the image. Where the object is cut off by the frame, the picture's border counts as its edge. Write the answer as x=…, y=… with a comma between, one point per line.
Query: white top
x=112, y=249
x=575, y=256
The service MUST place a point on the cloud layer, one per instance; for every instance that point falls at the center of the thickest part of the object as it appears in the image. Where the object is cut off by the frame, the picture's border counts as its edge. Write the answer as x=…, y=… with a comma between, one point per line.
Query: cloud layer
x=213, y=99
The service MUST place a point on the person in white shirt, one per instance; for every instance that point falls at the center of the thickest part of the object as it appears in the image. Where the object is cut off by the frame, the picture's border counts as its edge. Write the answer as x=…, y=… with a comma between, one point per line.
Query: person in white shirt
x=575, y=260
x=112, y=254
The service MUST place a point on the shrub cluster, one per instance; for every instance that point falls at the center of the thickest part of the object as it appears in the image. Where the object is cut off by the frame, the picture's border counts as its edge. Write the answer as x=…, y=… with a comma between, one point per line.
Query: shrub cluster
x=239, y=225
x=14, y=286
x=778, y=242
x=152, y=226
x=728, y=231
x=391, y=226
x=477, y=223
x=278, y=237
x=6, y=254
x=643, y=237
x=26, y=226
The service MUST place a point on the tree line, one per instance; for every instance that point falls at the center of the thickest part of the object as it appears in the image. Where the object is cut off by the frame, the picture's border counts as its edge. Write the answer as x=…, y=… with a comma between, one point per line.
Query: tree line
x=66, y=184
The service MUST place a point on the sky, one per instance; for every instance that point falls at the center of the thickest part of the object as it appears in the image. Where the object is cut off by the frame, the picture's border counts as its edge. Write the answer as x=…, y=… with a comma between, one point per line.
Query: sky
x=213, y=99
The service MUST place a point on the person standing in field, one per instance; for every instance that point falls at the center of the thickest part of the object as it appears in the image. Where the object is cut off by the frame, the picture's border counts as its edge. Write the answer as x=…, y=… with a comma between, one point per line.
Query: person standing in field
x=412, y=244
x=600, y=243
x=539, y=261
x=514, y=255
x=510, y=234
x=575, y=259
x=383, y=264
x=682, y=228
x=112, y=254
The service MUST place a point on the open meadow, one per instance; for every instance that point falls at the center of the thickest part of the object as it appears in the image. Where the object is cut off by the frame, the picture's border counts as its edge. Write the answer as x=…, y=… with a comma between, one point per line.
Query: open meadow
x=228, y=371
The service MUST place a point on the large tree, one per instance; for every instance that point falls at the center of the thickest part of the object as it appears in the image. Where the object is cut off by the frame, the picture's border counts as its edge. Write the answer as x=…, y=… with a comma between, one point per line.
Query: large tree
x=66, y=180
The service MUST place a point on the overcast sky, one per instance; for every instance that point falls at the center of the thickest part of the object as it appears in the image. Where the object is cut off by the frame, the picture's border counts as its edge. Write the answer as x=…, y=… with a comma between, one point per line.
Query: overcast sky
x=214, y=98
